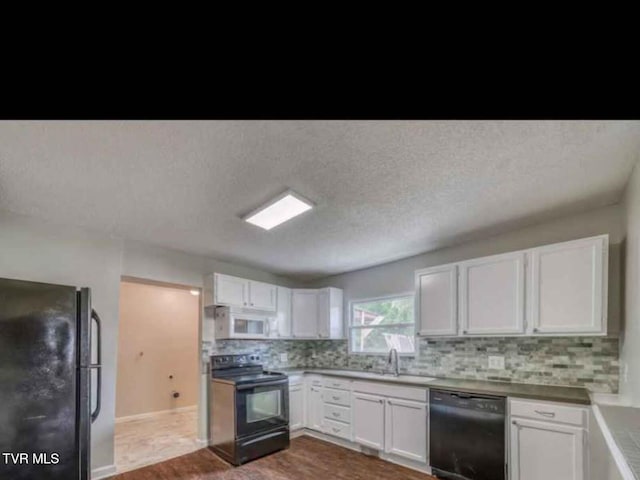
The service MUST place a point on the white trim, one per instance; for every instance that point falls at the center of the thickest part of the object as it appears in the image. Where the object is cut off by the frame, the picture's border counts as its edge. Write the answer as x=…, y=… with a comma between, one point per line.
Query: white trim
x=424, y=468
x=616, y=453
x=203, y=442
x=141, y=416
x=350, y=326
x=103, y=472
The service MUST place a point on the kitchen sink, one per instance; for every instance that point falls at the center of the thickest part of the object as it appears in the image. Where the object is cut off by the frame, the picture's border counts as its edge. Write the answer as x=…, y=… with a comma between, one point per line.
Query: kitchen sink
x=388, y=377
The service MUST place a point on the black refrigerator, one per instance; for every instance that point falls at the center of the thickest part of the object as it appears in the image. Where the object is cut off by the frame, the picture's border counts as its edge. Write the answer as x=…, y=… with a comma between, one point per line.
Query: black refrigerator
x=47, y=368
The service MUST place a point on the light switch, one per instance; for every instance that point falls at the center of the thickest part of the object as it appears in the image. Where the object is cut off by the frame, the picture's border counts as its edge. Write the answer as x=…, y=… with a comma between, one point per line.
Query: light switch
x=284, y=357
x=496, y=363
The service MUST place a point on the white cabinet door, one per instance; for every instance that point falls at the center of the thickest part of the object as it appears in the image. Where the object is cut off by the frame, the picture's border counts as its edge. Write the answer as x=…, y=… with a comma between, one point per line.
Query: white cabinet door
x=545, y=450
x=262, y=296
x=283, y=313
x=330, y=309
x=304, y=313
x=324, y=322
x=492, y=293
x=436, y=301
x=296, y=407
x=231, y=291
x=406, y=429
x=368, y=420
x=569, y=287
x=314, y=408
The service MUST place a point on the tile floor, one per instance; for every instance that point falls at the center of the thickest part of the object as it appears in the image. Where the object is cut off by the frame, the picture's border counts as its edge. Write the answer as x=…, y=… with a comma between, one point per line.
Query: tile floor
x=155, y=439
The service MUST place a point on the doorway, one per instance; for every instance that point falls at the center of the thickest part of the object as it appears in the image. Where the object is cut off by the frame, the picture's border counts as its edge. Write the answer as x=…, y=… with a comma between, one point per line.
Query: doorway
x=157, y=386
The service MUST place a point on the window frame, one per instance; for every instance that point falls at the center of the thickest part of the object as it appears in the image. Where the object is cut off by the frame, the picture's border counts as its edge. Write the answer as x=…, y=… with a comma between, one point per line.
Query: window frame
x=350, y=327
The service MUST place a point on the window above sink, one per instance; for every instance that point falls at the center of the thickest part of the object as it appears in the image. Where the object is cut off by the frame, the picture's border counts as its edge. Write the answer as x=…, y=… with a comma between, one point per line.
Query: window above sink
x=377, y=325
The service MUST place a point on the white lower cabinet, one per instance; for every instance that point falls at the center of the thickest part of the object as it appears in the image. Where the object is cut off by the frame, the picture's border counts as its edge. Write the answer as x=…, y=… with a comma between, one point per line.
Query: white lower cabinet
x=396, y=426
x=296, y=407
x=314, y=407
x=552, y=448
x=406, y=429
x=368, y=420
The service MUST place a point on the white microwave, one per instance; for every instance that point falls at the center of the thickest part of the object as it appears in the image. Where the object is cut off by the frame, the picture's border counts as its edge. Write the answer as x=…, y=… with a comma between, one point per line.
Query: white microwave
x=236, y=323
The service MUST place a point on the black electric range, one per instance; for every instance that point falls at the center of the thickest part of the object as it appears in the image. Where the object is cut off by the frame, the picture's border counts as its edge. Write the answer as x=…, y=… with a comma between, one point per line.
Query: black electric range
x=248, y=408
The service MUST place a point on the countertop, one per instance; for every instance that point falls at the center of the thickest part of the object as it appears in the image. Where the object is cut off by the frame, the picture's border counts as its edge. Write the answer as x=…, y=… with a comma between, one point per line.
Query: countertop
x=624, y=425
x=576, y=395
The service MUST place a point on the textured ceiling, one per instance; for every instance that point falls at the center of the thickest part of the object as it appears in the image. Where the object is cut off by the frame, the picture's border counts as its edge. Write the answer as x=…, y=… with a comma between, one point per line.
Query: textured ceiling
x=384, y=190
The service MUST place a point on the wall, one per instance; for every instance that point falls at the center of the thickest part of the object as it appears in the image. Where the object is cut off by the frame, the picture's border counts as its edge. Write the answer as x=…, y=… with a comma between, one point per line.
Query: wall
x=34, y=250
x=630, y=340
x=158, y=338
x=591, y=362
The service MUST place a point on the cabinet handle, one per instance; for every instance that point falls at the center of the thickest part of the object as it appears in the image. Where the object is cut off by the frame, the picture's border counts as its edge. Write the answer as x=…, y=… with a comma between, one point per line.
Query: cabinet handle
x=380, y=401
x=535, y=329
x=464, y=332
x=335, y=398
x=514, y=422
x=335, y=414
x=545, y=414
x=336, y=430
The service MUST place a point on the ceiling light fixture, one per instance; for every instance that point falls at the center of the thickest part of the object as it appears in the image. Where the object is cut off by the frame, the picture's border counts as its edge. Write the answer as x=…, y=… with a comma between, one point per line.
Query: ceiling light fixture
x=194, y=292
x=282, y=208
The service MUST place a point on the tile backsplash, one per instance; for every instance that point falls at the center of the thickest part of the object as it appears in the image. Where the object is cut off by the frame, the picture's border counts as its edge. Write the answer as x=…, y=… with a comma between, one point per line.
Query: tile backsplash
x=592, y=362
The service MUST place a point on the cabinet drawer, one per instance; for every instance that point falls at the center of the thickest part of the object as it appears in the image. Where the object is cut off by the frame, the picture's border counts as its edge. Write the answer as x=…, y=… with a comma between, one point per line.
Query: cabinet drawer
x=391, y=390
x=295, y=380
x=338, y=429
x=335, y=412
x=338, y=397
x=549, y=411
x=339, y=383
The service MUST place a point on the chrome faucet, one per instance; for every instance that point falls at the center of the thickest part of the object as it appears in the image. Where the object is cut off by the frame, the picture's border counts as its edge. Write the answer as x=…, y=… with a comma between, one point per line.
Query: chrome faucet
x=393, y=361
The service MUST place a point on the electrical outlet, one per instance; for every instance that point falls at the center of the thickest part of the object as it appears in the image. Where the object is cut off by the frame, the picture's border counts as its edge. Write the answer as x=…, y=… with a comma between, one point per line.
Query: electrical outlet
x=496, y=363
x=284, y=357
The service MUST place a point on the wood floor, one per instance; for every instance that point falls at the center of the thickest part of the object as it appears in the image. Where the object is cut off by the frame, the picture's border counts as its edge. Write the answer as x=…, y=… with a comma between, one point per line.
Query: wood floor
x=306, y=459
x=150, y=440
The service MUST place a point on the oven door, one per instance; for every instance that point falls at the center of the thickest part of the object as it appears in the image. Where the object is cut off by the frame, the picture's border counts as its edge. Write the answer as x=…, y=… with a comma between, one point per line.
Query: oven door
x=262, y=406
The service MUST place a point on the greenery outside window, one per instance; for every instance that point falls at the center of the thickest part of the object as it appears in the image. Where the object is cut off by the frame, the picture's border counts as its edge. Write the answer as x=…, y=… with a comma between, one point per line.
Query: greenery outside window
x=380, y=324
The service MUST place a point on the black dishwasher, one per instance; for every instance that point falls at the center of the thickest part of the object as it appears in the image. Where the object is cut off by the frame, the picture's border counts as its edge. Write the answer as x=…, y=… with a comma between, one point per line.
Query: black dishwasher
x=467, y=436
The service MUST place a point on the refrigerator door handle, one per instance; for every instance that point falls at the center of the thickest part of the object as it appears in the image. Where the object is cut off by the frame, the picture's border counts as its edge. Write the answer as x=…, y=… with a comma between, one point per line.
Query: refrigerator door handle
x=97, y=366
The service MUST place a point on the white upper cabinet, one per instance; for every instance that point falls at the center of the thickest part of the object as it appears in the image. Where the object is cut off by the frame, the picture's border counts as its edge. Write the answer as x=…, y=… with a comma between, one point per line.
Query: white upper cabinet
x=436, y=301
x=304, y=313
x=330, y=313
x=569, y=287
x=240, y=292
x=262, y=296
x=492, y=295
x=230, y=291
x=283, y=313
x=558, y=289
x=317, y=313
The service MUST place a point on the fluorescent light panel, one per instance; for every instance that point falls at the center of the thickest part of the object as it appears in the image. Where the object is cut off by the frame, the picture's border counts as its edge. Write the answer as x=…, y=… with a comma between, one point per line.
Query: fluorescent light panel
x=279, y=210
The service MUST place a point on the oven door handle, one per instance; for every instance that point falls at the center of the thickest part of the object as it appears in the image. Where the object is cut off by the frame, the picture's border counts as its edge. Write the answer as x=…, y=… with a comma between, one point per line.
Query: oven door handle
x=262, y=384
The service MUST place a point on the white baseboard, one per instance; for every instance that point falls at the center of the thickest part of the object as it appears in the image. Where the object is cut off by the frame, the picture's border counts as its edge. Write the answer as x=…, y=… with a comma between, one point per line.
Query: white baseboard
x=203, y=442
x=103, y=472
x=141, y=416
x=413, y=465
